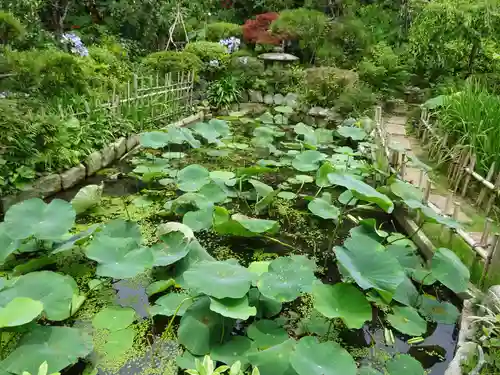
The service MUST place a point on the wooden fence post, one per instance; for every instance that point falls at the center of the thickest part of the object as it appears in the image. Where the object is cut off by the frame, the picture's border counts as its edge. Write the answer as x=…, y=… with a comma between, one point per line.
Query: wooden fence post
x=484, y=189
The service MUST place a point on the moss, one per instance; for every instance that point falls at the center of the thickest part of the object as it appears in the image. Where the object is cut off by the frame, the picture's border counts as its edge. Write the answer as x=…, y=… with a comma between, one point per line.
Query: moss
x=261, y=255
x=225, y=252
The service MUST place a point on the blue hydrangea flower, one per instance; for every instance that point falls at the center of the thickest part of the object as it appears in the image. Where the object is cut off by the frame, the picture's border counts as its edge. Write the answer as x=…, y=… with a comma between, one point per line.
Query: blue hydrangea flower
x=232, y=44
x=76, y=45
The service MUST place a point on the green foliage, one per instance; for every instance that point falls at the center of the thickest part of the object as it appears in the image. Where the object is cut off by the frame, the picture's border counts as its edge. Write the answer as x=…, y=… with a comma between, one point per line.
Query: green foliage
x=167, y=61
x=222, y=30
x=208, y=52
x=248, y=69
x=224, y=92
x=11, y=28
x=110, y=63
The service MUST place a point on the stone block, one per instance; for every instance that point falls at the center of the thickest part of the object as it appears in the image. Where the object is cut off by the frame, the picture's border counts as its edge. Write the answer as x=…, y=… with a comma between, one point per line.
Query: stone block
x=268, y=99
x=278, y=99
x=73, y=176
x=120, y=147
x=47, y=185
x=292, y=100
x=108, y=155
x=244, y=97
x=132, y=141
x=255, y=96
x=93, y=163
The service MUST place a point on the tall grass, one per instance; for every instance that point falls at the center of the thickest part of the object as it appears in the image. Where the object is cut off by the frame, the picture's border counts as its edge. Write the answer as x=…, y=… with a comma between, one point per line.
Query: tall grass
x=472, y=117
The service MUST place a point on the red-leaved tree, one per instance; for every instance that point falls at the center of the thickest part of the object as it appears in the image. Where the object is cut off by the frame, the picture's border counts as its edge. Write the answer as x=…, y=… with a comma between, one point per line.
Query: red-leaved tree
x=257, y=30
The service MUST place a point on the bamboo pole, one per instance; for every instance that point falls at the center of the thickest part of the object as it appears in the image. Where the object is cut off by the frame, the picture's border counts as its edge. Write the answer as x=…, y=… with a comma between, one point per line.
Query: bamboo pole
x=460, y=172
x=427, y=191
x=493, y=255
x=449, y=202
x=486, y=231
x=402, y=170
x=484, y=190
x=491, y=200
x=467, y=177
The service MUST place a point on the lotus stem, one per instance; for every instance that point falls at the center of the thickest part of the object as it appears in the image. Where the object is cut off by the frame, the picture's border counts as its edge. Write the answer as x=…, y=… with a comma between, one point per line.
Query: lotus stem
x=169, y=327
x=278, y=242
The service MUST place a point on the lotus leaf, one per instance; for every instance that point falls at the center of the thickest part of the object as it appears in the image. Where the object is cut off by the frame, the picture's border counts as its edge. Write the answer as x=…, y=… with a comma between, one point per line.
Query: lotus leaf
x=323, y=209
x=158, y=167
x=201, y=329
x=114, y=318
x=232, y=351
x=253, y=171
x=173, y=226
x=404, y=364
x=58, y=346
x=314, y=323
x=370, y=267
x=181, y=135
x=199, y=220
x=342, y=301
x=118, y=343
x=87, y=197
x=121, y=228
x=159, y=286
x=312, y=358
x=259, y=267
x=34, y=217
x=422, y=275
x=439, y=312
x=406, y=320
x=19, y=311
x=284, y=109
x=280, y=120
x=221, y=126
x=219, y=279
x=7, y=244
x=241, y=225
x=448, y=269
x=287, y=278
x=154, y=139
x=266, y=118
x=120, y=258
x=287, y=195
x=207, y=131
x=266, y=333
x=55, y=291
x=353, y=132
x=222, y=175
x=406, y=191
x=308, y=161
x=233, y=308
x=261, y=188
x=362, y=190
x=322, y=175
x=406, y=256
x=406, y=293
x=274, y=360
x=367, y=370
x=300, y=179
x=432, y=217
x=347, y=198
x=266, y=307
x=192, y=178
x=307, y=132
x=168, y=304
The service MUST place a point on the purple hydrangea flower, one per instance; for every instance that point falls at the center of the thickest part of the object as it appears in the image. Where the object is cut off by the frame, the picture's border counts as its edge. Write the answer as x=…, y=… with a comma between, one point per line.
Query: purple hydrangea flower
x=76, y=45
x=232, y=44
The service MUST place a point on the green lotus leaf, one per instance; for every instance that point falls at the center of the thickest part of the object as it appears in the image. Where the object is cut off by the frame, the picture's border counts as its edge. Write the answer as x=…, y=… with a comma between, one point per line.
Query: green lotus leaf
x=406, y=293
x=119, y=258
x=180, y=135
x=253, y=171
x=207, y=131
x=261, y=188
x=159, y=286
x=266, y=118
x=362, y=190
x=167, y=305
x=449, y=270
x=200, y=219
x=19, y=311
x=274, y=360
x=120, y=229
x=347, y=198
x=34, y=217
x=233, y=308
x=58, y=346
x=201, y=329
x=53, y=290
x=367, y=370
x=159, y=166
x=307, y=132
x=284, y=109
x=323, y=209
x=432, y=217
x=300, y=179
x=221, y=126
x=154, y=139
x=422, y=275
x=187, y=202
x=222, y=175
x=406, y=256
x=407, y=321
x=287, y=278
x=280, y=120
x=266, y=333
x=406, y=191
x=371, y=225
x=322, y=175
x=439, y=312
x=287, y=195
x=399, y=239
x=324, y=136
x=173, y=155
x=266, y=307
x=241, y=225
x=312, y=358
x=342, y=301
x=87, y=197
x=192, y=178
x=259, y=267
x=368, y=265
x=7, y=244
x=404, y=364
x=232, y=351
x=118, y=343
x=353, y=132
x=308, y=161
x=219, y=279
x=114, y=318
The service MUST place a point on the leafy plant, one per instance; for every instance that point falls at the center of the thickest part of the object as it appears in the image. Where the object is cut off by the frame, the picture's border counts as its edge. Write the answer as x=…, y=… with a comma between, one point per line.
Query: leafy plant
x=222, y=30
x=224, y=92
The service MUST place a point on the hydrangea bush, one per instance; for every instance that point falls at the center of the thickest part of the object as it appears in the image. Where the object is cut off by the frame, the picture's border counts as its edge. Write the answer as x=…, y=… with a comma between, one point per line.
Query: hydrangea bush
x=75, y=44
x=232, y=44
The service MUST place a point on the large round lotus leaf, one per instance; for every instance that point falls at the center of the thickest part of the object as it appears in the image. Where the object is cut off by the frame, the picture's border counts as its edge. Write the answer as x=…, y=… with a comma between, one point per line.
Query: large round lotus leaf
x=7, y=244
x=266, y=333
x=266, y=307
x=287, y=195
x=241, y=225
x=448, y=269
x=284, y=109
x=121, y=228
x=174, y=246
x=19, y=311
x=154, y=139
x=221, y=126
x=167, y=305
x=300, y=179
x=119, y=257
x=36, y=218
x=261, y=188
x=181, y=135
x=406, y=320
x=361, y=190
x=343, y=301
x=353, y=132
x=432, y=217
x=207, y=131
x=196, y=254
x=312, y=358
x=232, y=351
x=118, y=343
x=213, y=192
x=322, y=175
x=55, y=291
x=222, y=175
x=200, y=219
x=192, y=178
x=406, y=256
x=87, y=197
x=307, y=132
x=308, y=161
x=114, y=318
x=439, y=312
x=287, y=278
x=406, y=293
x=367, y=370
x=407, y=192
x=323, y=209
x=58, y=346
x=274, y=360
x=255, y=225
x=233, y=308
x=369, y=267
x=219, y=279
x=404, y=364
x=201, y=329
x=174, y=226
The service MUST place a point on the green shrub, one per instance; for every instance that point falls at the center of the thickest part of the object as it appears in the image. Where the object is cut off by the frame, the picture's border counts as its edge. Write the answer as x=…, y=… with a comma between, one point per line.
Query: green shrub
x=355, y=101
x=247, y=69
x=109, y=64
x=208, y=51
x=10, y=28
x=168, y=61
x=224, y=92
x=322, y=86
x=283, y=80
x=222, y=30
x=306, y=25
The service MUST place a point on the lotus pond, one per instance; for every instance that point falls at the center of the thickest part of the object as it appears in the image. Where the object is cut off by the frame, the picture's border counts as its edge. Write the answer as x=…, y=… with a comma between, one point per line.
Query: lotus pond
x=247, y=239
